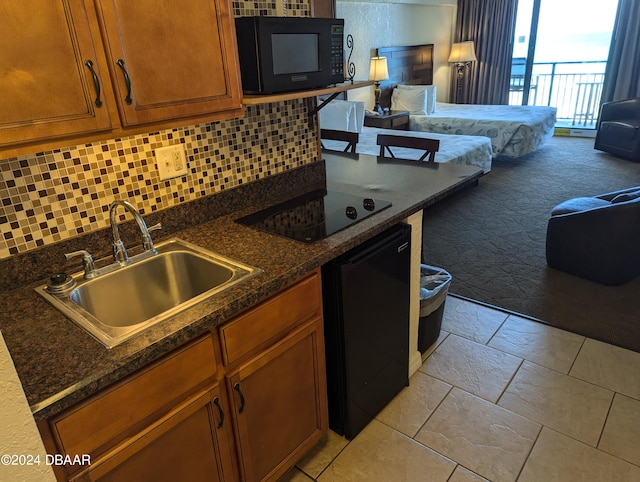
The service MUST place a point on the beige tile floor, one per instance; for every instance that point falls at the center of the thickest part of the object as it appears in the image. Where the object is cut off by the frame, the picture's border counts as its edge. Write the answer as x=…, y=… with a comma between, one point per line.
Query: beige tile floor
x=498, y=398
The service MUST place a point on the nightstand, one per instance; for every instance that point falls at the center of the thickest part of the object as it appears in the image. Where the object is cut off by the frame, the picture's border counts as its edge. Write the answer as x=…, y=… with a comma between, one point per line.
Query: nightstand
x=394, y=119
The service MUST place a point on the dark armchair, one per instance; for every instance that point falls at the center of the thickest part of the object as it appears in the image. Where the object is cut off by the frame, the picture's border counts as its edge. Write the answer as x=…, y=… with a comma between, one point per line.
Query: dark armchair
x=619, y=129
x=596, y=238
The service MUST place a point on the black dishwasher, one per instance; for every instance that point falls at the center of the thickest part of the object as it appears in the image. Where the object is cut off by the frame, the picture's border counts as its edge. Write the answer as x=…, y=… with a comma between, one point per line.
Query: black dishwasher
x=366, y=316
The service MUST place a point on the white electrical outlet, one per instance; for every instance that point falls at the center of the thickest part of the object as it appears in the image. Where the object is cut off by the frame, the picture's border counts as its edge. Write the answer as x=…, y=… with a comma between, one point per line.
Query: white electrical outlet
x=171, y=161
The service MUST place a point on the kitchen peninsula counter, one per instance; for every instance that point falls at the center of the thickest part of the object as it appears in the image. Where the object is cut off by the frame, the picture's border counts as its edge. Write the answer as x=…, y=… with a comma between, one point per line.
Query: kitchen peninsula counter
x=60, y=364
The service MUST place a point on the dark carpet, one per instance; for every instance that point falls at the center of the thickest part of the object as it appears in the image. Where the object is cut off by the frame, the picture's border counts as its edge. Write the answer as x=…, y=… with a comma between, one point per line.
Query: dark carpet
x=491, y=238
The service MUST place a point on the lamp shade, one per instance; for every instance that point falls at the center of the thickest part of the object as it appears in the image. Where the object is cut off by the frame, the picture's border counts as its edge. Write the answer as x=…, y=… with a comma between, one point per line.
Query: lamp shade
x=462, y=52
x=378, y=69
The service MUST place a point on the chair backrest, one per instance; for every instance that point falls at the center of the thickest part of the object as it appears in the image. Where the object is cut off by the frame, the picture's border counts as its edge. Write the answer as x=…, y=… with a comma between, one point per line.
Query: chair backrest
x=351, y=138
x=621, y=110
x=430, y=146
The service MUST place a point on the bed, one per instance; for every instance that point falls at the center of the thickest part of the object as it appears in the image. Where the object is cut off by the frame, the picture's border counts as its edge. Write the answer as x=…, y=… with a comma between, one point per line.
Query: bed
x=514, y=130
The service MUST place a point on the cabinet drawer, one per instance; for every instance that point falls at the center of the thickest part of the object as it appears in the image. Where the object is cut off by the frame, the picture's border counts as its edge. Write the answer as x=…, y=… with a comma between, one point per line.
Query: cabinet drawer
x=271, y=319
x=116, y=412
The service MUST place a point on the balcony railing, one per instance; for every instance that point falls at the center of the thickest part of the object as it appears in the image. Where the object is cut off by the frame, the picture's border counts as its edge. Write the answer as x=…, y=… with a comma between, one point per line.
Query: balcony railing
x=574, y=88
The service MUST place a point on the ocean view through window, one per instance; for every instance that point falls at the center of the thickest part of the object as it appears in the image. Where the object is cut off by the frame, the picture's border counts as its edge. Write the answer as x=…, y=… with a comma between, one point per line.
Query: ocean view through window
x=560, y=51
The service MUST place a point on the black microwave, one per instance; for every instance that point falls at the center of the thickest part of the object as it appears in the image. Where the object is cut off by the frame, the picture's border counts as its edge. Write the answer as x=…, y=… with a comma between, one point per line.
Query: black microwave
x=279, y=54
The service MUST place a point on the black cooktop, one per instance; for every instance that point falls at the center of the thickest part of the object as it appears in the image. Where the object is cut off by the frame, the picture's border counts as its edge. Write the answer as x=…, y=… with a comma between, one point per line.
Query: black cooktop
x=315, y=215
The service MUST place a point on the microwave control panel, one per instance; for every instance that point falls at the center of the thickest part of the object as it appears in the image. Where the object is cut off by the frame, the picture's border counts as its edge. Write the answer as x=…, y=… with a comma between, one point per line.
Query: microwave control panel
x=337, y=51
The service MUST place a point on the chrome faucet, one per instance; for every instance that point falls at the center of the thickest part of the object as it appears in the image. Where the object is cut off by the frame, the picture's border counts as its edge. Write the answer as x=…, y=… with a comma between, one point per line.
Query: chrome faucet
x=119, y=251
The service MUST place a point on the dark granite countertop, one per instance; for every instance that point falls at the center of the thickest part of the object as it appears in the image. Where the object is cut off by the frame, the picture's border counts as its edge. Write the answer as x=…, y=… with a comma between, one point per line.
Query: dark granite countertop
x=60, y=364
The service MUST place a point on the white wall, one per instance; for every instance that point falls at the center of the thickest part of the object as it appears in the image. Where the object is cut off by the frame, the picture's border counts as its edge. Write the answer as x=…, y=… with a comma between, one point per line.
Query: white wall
x=376, y=24
x=18, y=433
x=415, y=358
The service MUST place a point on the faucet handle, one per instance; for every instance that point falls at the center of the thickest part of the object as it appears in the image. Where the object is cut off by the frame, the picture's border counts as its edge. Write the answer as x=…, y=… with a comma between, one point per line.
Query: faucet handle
x=90, y=270
x=147, y=242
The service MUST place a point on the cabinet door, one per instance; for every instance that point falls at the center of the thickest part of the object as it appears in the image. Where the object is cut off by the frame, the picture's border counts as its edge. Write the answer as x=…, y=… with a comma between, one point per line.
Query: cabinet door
x=190, y=443
x=171, y=59
x=279, y=403
x=48, y=90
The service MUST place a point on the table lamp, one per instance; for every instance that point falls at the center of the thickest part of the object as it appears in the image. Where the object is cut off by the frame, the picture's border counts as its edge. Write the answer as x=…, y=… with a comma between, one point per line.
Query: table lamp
x=462, y=54
x=378, y=71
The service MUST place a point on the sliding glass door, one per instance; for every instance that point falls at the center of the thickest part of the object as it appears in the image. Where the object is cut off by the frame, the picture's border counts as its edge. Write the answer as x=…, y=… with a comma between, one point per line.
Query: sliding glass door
x=560, y=55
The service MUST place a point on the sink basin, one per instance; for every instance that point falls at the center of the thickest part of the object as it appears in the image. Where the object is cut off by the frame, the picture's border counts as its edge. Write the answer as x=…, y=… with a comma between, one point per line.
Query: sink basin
x=125, y=301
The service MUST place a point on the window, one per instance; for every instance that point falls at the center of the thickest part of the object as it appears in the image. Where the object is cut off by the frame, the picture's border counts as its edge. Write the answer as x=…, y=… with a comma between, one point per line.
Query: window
x=560, y=52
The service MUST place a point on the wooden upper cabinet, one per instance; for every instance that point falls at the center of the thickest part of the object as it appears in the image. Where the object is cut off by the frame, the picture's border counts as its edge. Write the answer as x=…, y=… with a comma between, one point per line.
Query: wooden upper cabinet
x=169, y=59
x=323, y=8
x=63, y=64
x=47, y=88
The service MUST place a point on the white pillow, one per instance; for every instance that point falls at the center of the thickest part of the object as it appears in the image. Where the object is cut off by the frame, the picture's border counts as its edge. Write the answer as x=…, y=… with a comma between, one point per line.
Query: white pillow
x=430, y=91
x=413, y=100
x=431, y=100
x=336, y=115
x=356, y=119
x=342, y=115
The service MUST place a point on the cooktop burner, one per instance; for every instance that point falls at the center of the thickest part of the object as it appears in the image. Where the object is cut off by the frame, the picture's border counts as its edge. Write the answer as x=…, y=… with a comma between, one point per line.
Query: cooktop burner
x=315, y=215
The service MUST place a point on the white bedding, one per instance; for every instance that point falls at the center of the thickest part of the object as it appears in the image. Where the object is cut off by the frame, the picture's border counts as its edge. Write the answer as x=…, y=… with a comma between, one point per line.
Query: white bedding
x=472, y=150
x=514, y=130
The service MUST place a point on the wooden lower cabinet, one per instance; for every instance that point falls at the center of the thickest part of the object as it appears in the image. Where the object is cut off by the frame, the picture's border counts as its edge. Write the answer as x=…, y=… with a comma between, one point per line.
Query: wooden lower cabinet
x=199, y=415
x=167, y=421
x=188, y=444
x=279, y=403
x=274, y=367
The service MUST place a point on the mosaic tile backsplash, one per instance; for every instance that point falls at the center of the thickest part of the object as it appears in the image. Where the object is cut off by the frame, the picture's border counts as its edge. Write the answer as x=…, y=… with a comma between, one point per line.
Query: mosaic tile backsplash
x=60, y=194
x=56, y=195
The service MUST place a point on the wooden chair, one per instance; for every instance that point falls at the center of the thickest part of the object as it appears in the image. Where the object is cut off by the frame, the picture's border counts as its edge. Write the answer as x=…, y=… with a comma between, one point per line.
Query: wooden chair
x=351, y=138
x=430, y=146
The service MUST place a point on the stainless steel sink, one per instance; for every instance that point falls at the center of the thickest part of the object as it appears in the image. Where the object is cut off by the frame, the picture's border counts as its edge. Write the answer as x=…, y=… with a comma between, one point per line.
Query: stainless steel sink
x=122, y=301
